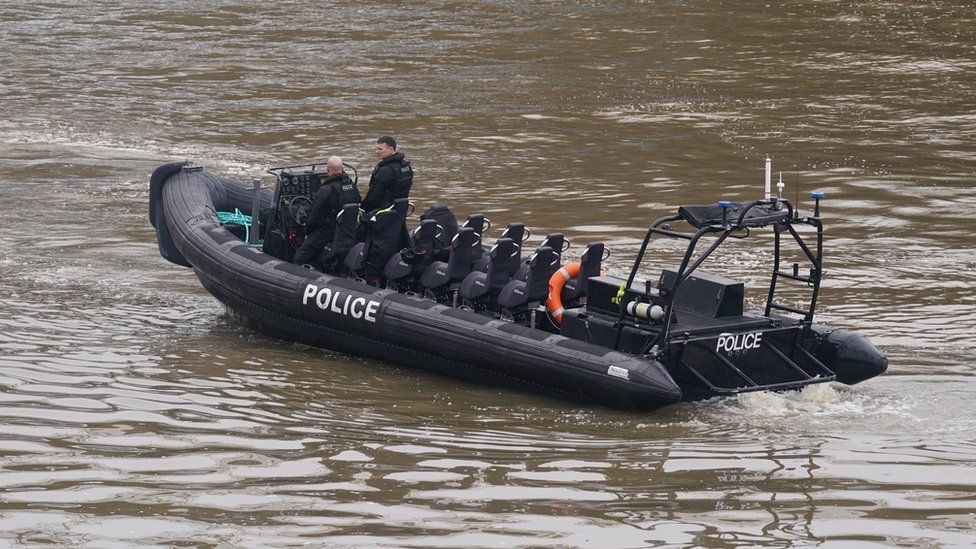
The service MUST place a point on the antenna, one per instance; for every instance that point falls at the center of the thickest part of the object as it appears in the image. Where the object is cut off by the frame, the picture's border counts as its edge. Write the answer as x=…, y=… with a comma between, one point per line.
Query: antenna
x=769, y=175
x=796, y=205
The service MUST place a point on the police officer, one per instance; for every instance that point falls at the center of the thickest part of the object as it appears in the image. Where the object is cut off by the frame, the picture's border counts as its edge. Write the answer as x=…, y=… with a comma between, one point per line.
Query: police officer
x=335, y=191
x=391, y=179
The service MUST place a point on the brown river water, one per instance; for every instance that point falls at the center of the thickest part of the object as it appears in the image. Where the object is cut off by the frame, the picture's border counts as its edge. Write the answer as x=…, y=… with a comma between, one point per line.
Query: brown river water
x=134, y=411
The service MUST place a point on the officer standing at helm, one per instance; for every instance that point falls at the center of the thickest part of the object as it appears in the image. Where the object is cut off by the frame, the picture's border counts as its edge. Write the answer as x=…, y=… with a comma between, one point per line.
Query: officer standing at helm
x=336, y=190
x=391, y=179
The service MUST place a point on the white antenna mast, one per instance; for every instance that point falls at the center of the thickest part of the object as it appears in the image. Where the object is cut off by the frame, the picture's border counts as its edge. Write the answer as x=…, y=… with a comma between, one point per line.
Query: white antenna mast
x=769, y=176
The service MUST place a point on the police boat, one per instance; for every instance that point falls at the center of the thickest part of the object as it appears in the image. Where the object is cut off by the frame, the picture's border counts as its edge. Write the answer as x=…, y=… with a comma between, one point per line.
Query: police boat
x=442, y=301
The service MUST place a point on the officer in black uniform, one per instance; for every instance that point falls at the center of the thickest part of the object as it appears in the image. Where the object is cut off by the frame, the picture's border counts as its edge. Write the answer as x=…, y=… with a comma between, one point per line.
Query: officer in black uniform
x=336, y=191
x=391, y=179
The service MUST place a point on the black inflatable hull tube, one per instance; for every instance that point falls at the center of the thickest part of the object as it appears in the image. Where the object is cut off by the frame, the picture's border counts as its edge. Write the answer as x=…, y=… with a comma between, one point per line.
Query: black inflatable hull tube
x=851, y=356
x=290, y=302
x=157, y=216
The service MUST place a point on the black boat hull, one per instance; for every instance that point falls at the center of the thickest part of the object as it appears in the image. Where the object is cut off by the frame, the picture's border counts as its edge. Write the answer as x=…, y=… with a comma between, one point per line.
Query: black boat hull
x=293, y=303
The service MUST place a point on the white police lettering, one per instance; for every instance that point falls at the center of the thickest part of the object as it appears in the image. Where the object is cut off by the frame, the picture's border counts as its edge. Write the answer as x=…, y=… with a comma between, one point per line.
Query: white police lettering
x=371, y=308
x=322, y=300
x=734, y=343
x=343, y=304
x=352, y=308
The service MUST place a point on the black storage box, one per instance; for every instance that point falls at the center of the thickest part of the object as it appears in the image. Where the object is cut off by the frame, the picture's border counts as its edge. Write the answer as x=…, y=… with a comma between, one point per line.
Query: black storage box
x=705, y=294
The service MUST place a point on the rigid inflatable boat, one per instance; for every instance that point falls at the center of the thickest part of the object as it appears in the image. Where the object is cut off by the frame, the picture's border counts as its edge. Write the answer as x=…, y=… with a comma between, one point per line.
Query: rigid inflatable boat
x=440, y=300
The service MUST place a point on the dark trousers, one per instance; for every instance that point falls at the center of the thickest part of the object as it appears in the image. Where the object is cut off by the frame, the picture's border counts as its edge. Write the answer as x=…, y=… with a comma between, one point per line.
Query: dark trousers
x=308, y=253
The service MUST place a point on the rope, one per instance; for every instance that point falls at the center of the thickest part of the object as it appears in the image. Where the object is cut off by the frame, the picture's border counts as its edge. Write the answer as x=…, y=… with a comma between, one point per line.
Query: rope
x=237, y=218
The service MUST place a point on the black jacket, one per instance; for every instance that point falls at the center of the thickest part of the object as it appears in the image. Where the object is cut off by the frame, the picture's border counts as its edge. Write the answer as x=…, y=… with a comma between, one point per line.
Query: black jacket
x=335, y=192
x=391, y=179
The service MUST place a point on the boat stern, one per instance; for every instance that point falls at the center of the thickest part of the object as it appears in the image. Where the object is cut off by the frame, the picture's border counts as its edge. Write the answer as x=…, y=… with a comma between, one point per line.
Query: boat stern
x=851, y=356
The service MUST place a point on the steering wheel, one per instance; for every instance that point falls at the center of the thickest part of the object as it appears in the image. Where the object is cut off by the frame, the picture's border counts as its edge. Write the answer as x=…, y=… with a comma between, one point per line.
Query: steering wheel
x=299, y=208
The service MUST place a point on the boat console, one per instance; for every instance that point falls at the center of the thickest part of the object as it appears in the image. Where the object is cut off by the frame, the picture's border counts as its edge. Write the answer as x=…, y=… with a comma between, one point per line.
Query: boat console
x=295, y=189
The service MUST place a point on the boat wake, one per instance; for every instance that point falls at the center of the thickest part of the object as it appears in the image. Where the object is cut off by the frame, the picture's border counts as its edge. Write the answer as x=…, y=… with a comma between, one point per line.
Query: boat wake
x=822, y=401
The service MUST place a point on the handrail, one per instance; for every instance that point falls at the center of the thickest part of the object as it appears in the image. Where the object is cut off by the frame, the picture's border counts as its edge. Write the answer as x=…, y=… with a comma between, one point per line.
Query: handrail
x=306, y=165
x=273, y=171
x=689, y=266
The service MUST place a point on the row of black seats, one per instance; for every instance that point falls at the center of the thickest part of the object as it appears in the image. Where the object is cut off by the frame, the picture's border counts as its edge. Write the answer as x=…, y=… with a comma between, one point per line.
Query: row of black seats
x=435, y=259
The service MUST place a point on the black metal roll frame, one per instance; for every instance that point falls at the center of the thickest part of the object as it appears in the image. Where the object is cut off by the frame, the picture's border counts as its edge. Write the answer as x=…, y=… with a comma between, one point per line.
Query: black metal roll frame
x=727, y=228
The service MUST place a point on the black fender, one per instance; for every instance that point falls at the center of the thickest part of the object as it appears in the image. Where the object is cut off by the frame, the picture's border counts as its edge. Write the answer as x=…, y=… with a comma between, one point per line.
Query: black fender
x=157, y=216
x=851, y=356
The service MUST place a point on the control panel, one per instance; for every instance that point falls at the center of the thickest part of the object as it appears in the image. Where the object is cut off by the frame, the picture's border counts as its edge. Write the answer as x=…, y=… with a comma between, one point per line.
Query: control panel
x=300, y=184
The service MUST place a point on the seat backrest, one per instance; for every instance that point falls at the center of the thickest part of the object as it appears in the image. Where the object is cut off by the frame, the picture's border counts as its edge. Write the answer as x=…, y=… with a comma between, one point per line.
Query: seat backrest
x=425, y=236
x=502, y=259
x=401, y=206
x=424, y=243
x=345, y=231
x=516, y=231
x=590, y=263
x=387, y=236
x=557, y=242
x=459, y=264
x=416, y=256
x=542, y=265
x=478, y=223
x=444, y=217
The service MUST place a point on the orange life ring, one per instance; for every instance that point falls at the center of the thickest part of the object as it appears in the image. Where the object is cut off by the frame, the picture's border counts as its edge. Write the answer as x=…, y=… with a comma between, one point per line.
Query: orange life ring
x=556, y=283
